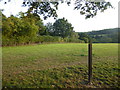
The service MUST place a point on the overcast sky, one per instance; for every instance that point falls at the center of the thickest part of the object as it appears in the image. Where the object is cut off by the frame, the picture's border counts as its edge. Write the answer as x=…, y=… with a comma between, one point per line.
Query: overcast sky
x=108, y=19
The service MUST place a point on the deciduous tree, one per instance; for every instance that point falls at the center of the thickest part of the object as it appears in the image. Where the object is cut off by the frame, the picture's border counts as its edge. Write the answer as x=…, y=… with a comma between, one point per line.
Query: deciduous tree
x=62, y=28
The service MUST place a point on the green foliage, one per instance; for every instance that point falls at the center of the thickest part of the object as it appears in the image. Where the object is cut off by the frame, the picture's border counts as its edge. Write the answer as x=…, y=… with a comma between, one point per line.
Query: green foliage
x=49, y=29
x=105, y=36
x=84, y=37
x=37, y=21
x=48, y=38
x=23, y=30
x=13, y=27
x=72, y=40
x=48, y=9
x=90, y=9
x=62, y=28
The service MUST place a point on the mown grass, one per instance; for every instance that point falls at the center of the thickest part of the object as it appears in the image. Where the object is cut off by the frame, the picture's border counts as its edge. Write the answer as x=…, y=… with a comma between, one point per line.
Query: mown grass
x=60, y=66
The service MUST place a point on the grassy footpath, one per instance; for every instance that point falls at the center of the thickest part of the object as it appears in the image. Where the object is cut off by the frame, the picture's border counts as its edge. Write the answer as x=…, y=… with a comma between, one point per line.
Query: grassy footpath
x=59, y=66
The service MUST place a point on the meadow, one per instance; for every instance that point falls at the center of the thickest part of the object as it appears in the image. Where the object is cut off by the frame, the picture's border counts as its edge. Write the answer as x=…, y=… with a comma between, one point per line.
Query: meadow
x=60, y=66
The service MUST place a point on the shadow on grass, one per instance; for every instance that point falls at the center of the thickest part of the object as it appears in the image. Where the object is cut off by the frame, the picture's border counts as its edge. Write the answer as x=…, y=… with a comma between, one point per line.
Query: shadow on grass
x=84, y=82
x=81, y=55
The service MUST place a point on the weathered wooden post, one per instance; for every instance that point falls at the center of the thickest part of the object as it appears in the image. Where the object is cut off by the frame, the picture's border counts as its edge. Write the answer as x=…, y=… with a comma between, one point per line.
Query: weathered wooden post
x=89, y=61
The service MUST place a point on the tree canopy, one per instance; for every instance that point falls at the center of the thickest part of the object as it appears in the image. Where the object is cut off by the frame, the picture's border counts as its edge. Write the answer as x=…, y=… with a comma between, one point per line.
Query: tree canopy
x=49, y=9
x=62, y=28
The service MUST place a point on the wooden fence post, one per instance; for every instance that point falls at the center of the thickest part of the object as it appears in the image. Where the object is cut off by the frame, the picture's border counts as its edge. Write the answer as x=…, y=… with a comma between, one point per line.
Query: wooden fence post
x=89, y=61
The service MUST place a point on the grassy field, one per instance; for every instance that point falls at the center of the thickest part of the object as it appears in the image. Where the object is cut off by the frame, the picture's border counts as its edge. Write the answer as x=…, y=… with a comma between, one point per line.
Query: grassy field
x=60, y=66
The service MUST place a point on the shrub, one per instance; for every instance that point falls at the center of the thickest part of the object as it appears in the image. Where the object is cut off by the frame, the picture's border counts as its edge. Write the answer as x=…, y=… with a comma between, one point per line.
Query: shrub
x=22, y=40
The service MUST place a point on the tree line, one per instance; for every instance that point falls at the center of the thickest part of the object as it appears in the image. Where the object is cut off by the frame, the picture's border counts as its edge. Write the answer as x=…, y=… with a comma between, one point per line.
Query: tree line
x=102, y=36
x=28, y=28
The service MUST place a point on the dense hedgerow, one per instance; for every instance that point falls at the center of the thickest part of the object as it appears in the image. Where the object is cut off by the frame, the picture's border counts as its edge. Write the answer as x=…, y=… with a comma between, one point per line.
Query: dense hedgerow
x=36, y=40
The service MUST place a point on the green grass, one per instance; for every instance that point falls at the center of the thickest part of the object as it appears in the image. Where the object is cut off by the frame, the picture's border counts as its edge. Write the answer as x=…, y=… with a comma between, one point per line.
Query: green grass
x=60, y=66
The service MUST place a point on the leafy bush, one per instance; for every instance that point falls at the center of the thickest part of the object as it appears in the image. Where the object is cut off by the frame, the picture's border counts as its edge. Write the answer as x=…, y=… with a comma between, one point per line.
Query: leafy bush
x=22, y=40
x=73, y=40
